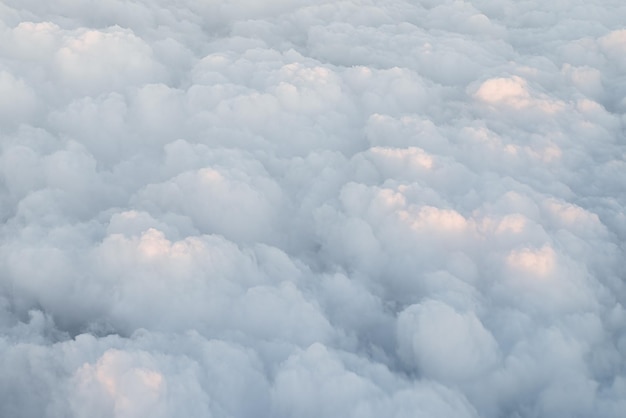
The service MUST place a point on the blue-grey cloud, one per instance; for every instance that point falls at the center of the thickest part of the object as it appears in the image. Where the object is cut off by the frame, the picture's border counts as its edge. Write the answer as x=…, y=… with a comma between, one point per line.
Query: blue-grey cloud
x=312, y=208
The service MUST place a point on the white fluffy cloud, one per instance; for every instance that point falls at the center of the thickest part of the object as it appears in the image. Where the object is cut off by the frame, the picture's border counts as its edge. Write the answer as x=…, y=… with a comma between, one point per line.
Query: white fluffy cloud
x=312, y=208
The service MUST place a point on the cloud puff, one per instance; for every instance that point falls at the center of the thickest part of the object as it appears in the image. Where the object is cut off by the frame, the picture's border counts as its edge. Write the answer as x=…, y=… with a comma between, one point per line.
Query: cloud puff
x=278, y=209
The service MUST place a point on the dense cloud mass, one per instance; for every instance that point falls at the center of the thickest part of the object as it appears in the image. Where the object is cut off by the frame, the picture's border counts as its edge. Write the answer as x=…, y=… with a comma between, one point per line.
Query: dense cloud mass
x=312, y=208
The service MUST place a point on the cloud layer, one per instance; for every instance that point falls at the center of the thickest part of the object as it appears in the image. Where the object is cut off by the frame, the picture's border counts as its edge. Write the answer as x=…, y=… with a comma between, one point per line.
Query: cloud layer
x=312, y=208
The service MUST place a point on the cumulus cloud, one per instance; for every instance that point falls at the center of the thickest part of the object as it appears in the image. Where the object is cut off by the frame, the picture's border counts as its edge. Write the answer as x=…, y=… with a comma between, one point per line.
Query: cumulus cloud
x=312, y=208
